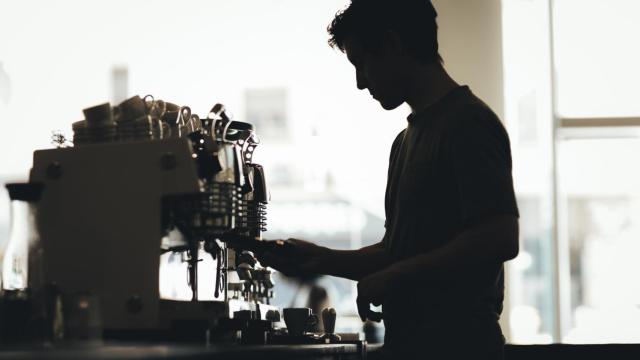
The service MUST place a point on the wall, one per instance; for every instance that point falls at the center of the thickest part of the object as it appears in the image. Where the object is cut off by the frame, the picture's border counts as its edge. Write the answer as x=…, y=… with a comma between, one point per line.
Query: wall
x=471, y=46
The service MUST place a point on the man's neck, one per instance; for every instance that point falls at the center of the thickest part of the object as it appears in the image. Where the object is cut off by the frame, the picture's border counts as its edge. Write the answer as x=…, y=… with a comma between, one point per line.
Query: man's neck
x=430, y=85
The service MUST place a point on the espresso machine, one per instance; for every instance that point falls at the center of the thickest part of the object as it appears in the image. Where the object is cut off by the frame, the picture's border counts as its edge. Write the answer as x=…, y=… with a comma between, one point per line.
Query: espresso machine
x=148, y=181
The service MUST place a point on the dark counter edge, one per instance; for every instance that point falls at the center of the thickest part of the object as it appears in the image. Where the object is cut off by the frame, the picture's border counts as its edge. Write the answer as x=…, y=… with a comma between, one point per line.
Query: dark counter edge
x=148, y=352
x=562, y=351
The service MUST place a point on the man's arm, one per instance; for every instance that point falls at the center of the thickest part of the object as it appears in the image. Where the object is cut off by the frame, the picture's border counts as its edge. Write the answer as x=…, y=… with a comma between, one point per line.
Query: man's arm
x=298, y=257
x=492, y=240
x=355, y=264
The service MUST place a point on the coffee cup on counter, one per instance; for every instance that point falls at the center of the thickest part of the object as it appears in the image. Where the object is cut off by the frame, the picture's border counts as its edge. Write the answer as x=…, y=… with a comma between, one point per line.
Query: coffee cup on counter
x=298, y=320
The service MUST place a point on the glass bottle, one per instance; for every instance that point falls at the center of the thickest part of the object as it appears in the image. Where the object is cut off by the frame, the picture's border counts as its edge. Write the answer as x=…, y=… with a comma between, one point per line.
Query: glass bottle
x=23, y=238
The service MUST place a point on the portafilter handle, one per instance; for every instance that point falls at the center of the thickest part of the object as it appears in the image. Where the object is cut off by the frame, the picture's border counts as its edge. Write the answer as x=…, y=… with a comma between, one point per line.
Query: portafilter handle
x=329, y=324
x=329, y=320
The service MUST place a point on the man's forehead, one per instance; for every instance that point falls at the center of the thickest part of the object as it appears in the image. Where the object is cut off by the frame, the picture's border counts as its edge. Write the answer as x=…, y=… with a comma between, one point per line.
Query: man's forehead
x=353, y=48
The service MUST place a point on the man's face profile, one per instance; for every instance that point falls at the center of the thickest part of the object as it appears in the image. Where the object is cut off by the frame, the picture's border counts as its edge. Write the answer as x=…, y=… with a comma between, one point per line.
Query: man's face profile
x=380, y=72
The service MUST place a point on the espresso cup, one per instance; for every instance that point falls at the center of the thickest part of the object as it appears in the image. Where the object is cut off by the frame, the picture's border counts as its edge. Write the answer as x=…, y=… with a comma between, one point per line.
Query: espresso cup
x=171, y=117
x=99, y=114
x=298, y=320
x=132, y=108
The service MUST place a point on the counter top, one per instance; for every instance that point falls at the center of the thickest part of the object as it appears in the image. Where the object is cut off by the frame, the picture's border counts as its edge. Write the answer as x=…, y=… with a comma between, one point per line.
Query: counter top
x=148, y=352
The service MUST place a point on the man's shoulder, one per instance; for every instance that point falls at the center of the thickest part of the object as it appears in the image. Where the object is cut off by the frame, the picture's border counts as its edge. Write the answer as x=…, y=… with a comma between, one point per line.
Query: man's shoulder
x=472, y=109
x=399, y=137
x=473, y=116
x=397, y=142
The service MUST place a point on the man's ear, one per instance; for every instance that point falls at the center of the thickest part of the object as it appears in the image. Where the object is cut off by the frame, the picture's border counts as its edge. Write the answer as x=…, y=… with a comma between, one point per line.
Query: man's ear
x=392, y=43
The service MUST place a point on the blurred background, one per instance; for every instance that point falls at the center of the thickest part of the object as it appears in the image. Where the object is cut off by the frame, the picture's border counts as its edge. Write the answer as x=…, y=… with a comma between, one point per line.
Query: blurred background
x=562, y=74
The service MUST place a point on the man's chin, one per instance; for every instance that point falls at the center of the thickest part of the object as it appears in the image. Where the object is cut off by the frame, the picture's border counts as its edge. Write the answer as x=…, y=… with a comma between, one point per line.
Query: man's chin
x=388, y=105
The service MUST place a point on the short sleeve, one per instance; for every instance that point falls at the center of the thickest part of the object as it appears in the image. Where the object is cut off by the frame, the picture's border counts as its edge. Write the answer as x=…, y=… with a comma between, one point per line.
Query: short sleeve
x=482, y=167
x=395, y=148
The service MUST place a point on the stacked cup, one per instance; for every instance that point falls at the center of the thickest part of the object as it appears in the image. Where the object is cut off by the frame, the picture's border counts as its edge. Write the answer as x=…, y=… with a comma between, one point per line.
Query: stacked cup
x=98, y=126
x=170, y=123
x=156, y=109
x=133, y=121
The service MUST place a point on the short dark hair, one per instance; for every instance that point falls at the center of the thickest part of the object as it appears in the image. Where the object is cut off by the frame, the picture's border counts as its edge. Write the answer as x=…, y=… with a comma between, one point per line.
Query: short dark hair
x=368, y=20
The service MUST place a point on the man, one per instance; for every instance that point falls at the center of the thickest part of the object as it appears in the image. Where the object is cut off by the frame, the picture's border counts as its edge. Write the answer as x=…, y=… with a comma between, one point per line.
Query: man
x=451, y=213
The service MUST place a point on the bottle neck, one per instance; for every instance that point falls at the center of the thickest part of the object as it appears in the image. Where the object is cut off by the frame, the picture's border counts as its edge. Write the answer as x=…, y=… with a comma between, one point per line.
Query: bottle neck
x=22, y=220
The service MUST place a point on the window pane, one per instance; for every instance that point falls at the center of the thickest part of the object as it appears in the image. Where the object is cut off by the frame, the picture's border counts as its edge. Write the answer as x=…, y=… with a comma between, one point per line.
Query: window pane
x=601, y=221
x=529, y=309
x=597, y=57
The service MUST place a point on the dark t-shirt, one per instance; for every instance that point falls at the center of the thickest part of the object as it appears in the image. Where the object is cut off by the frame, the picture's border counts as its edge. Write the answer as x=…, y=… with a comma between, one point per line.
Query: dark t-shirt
x=449, y=169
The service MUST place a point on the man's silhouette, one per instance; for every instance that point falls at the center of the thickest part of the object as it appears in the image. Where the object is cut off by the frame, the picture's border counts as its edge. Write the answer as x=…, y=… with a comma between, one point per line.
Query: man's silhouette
x=451, y=213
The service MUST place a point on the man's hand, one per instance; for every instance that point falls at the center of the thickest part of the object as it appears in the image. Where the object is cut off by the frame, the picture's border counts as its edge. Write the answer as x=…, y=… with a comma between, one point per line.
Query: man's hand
x=373, y=289
x=294, y=257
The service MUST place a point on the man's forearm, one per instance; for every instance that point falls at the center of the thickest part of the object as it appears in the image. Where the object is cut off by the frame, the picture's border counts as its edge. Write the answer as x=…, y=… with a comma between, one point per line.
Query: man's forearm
x=355, y=264
x=493, y=241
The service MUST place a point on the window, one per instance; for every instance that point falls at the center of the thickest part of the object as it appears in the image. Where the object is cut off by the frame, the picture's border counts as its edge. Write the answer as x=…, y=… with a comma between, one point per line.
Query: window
x=266, y=109
x=573, y=112
x=596, y=58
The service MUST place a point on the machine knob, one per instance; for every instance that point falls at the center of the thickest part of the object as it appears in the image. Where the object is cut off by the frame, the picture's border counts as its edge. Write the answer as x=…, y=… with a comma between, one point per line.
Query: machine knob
x=273, y=315
x=247, y=257
x=244, y=271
